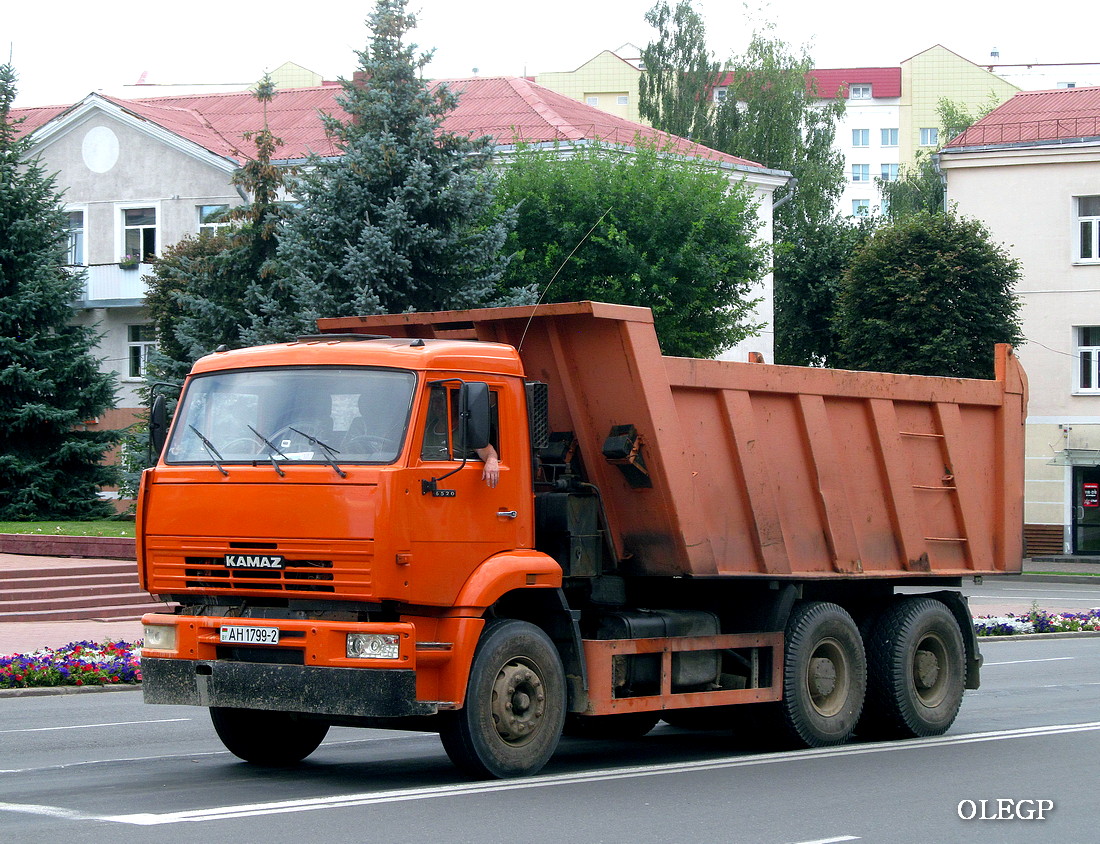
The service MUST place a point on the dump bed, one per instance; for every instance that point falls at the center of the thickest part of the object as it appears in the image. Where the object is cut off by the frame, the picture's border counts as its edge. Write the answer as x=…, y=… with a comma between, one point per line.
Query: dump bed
x=769, y=471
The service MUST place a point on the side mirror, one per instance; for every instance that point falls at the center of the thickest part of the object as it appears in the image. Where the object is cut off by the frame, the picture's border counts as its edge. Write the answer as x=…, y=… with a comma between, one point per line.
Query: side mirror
x=473, y=409
x=158, y=425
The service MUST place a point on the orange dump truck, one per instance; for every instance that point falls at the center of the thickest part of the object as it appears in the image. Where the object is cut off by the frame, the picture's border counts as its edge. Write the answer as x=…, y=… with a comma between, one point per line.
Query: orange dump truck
x=691, y=540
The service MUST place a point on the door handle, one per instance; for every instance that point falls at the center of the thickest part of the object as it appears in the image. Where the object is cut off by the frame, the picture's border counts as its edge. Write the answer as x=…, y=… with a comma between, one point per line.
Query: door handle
x=1080, y=513
x=507, y=514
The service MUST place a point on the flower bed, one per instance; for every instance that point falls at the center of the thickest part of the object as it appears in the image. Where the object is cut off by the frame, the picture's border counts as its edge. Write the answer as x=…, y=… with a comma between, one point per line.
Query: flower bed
x=75, y=664
x=1037, y=621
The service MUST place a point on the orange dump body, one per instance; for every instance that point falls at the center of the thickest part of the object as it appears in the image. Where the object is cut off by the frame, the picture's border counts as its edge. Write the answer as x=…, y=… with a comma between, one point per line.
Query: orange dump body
x=768, y=471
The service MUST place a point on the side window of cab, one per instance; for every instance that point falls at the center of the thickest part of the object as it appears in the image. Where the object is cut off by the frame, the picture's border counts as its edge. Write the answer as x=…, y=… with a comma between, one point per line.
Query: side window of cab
x=441, y=424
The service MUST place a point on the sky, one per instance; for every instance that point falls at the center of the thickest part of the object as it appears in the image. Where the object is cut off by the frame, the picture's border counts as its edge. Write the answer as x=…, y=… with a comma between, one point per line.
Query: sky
x=69, y=48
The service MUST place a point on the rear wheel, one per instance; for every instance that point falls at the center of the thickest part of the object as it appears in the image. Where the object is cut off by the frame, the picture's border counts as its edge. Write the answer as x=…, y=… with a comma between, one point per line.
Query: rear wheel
x=515, y=704
x=267, y=738
x=916, y=671
x=824, y=675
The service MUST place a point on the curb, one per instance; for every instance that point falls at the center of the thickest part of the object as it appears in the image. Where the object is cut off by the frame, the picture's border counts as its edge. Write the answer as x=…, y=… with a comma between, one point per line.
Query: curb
x=42, y=691
x=1031, y=637
x=46, y=545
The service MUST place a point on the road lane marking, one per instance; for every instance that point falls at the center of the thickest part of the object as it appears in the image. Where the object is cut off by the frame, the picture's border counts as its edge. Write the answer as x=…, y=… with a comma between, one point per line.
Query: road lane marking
x=1020, y=661
x=835, y=840
x=632, y=772
x=90, y=726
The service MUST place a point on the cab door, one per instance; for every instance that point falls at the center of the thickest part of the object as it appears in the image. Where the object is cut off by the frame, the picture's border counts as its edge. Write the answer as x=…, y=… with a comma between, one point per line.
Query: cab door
x=459, y=521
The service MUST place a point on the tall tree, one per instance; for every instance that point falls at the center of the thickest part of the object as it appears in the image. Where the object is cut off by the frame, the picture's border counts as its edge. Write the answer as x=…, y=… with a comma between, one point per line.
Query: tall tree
x=49, y=379
x=638, y=228
x=928, y=295
x=205, y=291
x=674, y=93
x=402, y=218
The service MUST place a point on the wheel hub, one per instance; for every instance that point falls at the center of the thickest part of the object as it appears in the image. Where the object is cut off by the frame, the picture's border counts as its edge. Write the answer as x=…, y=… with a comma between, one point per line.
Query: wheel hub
x=519, y=702
x=926, y=671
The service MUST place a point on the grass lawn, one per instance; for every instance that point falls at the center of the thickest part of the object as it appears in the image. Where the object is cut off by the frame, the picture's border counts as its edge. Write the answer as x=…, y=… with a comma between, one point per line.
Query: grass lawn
x=104, y=527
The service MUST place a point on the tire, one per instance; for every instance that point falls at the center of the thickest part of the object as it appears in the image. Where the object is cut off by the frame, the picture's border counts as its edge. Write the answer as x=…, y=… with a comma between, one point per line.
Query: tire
x=627, y=725
x=824, y=676
x=267, y=738
x=916, y=663
x=515, y=704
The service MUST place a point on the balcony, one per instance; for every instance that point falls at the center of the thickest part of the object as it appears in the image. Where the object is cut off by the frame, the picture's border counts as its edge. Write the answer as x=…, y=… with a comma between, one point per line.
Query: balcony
x=110, y=286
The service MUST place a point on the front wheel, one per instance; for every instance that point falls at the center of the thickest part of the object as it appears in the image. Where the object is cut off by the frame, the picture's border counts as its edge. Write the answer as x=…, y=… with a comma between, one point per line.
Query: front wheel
x=267, y=738
x=917, y=667
x=515, y=704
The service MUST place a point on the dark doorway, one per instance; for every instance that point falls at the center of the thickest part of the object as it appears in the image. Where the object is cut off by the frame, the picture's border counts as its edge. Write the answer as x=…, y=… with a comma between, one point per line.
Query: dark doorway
x=1086, y=510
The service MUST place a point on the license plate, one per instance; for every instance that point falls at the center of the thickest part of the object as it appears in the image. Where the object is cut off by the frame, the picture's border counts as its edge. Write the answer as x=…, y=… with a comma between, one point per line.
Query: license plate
x=250, y=635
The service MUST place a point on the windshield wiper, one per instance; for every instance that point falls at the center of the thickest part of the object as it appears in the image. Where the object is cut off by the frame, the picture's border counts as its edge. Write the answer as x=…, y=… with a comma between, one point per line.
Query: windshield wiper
x=213, y=452
x=328, y=449
x=274, y=448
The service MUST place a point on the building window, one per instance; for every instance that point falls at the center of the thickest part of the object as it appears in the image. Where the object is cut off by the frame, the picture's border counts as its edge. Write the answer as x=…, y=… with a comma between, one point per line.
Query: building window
x=140, y=233
x=929, y=137
x=720, y=93
x=75, y=226
x=889, y=172
x=889, y=137
x=1088, y=228
x=861, y=137
x=592, y=101
x=861, y=207
x=1088, y=356
x=213, y=218
x=859, y=92
x=622, y=99
x=861, y=172
x=141, y=340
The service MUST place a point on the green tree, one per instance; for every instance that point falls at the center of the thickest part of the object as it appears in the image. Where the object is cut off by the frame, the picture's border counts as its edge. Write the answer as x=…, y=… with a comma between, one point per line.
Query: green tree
x=638, y=229
x=928, y=295
x=49, y=378
x=674, y=93
x=206, y=290
x=817, y=256
x=402, y=218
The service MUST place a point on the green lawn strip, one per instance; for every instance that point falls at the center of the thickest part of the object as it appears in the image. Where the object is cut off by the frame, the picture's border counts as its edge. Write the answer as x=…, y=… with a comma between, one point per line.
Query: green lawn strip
x=104, y=527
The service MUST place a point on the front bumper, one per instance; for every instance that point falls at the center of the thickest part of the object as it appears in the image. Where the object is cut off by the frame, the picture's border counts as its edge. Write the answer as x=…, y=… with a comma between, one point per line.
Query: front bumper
x=379, y=693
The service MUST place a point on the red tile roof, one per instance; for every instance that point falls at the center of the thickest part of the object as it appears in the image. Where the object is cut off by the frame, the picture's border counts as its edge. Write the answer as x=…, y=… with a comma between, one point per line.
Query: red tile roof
x=505, y=108
x=885, y=82
x=1037, y=117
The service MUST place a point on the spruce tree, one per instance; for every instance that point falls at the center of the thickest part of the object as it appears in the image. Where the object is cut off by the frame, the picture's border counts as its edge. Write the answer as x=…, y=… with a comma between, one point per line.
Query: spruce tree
x=402, y=219
x=49, y=378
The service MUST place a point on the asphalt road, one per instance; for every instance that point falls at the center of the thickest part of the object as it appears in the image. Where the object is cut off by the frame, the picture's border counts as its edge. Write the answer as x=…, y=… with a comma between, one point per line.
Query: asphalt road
x=89, y=767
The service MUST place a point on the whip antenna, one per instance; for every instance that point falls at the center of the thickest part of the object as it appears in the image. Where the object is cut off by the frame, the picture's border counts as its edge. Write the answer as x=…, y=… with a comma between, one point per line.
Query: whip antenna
x=561, y=266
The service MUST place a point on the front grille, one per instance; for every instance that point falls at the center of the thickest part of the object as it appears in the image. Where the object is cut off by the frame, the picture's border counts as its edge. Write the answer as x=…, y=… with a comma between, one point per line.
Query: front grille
x=297, y=576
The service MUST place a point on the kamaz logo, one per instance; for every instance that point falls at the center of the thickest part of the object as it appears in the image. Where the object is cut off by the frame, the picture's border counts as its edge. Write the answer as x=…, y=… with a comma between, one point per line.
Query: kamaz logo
x=253, y=561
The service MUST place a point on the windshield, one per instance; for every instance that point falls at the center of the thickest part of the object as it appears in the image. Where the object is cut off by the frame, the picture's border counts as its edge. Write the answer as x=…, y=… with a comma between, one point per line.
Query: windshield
x=313, y=415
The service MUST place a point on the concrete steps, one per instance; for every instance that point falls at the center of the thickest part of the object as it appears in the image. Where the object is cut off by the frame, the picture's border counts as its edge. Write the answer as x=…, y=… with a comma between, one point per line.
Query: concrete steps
x=73, y=589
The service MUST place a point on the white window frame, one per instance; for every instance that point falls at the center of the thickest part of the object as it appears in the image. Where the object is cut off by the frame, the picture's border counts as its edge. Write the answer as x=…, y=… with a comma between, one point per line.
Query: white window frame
x=720, y=93
x=861, y=137
x=889, y=172
x=861, y=91
x=861, y=208
x=861, y=173
x=143, y=346
x=1087, y=360
x=122, y=228
x=1086, y=232
x=212, y=228
x=929, y=136
x=81, y=253
x=592, y=101
x=889, y=137
x=622, y=99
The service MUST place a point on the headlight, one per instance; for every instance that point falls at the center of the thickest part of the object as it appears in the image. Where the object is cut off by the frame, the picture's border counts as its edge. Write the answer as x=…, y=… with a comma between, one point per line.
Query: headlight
x=372, y=646
x=162, y=637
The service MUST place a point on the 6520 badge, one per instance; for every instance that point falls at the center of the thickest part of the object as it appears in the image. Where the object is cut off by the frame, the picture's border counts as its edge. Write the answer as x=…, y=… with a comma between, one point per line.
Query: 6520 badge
x=254, y=561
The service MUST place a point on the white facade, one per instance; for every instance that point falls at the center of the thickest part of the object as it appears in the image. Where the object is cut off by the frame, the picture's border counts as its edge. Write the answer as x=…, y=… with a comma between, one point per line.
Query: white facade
x=867, y=136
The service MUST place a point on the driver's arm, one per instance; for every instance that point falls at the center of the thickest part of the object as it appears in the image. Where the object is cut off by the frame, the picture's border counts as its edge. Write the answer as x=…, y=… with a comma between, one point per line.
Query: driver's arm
x=491, y=473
